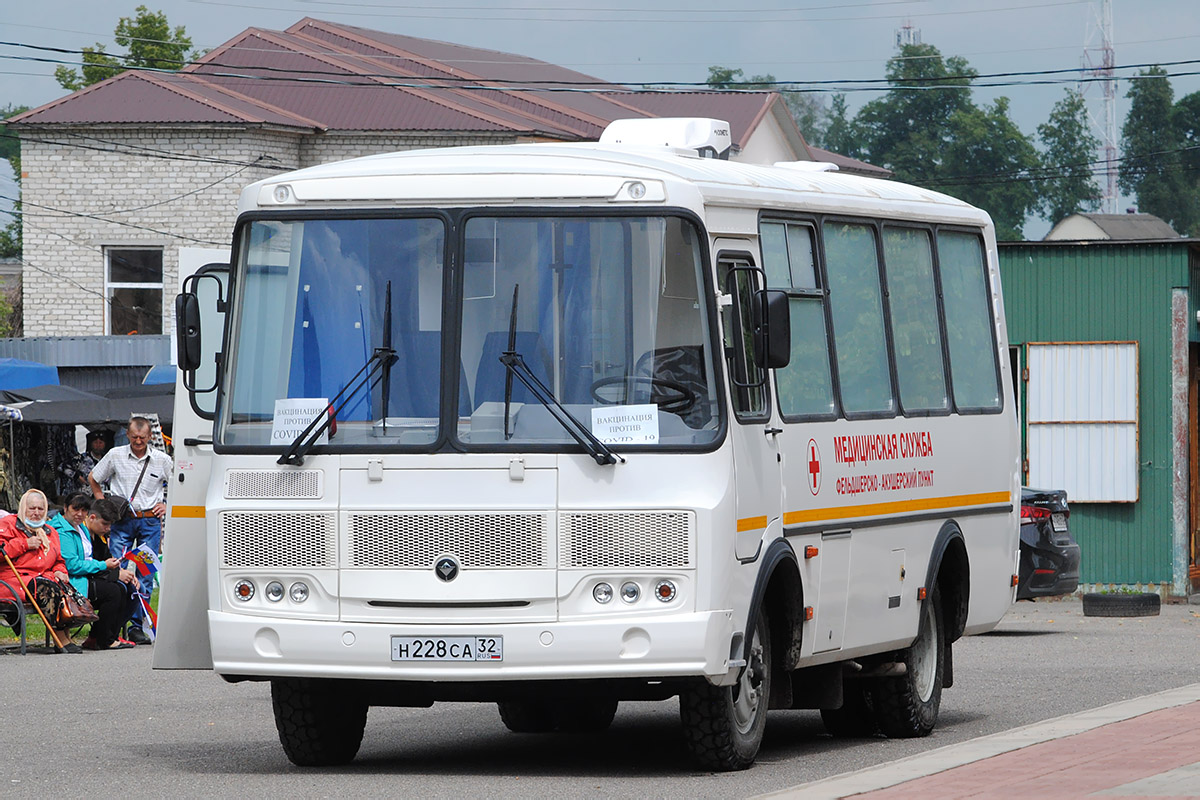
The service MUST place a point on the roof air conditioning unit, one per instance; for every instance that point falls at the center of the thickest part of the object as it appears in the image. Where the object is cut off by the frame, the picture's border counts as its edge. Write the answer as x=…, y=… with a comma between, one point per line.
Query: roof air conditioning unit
x=709, y=138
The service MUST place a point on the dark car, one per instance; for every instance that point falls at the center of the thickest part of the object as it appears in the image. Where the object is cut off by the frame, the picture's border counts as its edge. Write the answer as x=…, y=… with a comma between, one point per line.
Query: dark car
x=1049, y=554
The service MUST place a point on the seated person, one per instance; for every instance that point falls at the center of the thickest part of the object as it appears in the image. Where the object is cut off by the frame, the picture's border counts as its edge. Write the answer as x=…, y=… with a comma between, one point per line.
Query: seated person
x=35, y=552
x=100, y=580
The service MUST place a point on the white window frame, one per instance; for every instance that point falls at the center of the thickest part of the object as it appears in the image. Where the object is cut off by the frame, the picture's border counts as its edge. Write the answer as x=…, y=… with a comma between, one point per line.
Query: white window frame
x=110, y=285
x=1081, y=421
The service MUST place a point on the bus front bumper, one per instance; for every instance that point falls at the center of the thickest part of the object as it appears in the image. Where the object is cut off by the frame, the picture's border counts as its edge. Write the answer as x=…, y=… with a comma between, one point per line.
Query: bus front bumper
x=683, y=645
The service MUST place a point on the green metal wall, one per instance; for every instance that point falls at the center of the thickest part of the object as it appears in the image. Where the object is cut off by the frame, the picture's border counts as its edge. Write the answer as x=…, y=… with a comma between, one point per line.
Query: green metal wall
x=1110, y=292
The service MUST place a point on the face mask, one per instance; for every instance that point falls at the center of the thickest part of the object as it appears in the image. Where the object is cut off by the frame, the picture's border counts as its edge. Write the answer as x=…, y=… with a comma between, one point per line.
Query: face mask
x=29, y=523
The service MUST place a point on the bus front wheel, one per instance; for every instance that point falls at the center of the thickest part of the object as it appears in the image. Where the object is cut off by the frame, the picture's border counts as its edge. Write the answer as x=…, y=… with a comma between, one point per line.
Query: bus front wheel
x=723, y=725
x=906, y=706
x=320, y=722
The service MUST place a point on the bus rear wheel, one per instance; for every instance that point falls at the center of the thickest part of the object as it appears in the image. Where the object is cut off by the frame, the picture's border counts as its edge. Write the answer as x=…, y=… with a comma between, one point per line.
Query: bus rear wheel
x=906, y=706
x=320, y=722
x=723, y=725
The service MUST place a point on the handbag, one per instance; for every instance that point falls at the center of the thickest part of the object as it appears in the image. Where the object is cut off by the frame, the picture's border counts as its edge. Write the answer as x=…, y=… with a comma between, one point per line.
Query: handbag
x=74, y=610
x=124, y=506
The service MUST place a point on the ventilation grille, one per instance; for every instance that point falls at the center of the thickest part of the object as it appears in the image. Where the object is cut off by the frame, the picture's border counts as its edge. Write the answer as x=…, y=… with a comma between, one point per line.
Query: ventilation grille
x=478, y=541
x=254, y=484
x=278, y=540
x=661, y=539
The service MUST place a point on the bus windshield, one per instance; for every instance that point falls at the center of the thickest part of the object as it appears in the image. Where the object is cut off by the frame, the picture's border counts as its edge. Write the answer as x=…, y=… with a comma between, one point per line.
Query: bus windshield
x=606, y=312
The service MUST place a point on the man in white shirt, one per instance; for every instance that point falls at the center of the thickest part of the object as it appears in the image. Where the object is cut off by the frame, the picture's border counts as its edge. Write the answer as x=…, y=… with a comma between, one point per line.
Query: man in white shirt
x=137, y=473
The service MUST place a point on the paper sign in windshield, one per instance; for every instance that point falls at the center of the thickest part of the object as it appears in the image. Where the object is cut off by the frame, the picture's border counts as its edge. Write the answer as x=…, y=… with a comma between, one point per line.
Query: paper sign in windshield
x=292, y=416
x=626, y=424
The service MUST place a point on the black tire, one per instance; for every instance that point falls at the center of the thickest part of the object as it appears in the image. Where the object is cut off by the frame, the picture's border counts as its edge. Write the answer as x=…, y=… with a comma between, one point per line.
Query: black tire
x=723, y=725
x=589, y=715
x=1097, y=604
x=320, y=722
x=906, y=707
x=527, y=716
x=856, y=718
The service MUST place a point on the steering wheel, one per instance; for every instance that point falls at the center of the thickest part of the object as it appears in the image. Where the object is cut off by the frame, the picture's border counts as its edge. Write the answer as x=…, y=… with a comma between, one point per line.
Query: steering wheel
x=666, y=394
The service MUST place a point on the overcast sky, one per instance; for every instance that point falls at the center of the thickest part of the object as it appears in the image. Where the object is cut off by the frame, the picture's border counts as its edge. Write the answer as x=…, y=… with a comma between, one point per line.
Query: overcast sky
x=634, y=41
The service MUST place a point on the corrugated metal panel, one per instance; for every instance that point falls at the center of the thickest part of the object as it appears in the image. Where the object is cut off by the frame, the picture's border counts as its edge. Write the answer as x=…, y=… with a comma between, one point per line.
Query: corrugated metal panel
x=90, y=351
x=1111, y=291
x=1082, y=414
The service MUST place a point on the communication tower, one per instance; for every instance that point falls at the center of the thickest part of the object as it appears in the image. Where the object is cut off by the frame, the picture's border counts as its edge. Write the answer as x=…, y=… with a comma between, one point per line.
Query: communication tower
x=1100, y=62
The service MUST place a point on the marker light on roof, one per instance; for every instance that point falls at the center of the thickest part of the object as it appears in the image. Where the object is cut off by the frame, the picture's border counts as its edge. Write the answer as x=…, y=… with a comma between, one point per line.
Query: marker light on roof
x=282, y=193
x=637, y=190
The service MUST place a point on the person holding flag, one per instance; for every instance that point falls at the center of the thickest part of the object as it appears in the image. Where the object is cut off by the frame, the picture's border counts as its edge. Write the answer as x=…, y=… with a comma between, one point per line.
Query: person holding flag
x=138, y=473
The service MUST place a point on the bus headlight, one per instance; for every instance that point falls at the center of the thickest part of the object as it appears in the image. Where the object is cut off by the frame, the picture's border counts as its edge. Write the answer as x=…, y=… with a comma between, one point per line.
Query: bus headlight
x=243, y=590
x=602, y=593
x=274, y=591
x=298, y=592
x=630, y=592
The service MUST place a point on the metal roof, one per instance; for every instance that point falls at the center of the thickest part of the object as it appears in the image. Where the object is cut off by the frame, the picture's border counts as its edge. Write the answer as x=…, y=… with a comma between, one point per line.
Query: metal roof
x=323, y=76
x=90, y=351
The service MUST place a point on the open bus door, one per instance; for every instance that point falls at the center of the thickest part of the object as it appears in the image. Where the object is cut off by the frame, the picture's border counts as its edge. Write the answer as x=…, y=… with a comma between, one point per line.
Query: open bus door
x=183, y=641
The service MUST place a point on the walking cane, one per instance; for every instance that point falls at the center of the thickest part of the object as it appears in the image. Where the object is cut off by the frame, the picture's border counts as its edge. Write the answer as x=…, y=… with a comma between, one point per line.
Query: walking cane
x=25, y=588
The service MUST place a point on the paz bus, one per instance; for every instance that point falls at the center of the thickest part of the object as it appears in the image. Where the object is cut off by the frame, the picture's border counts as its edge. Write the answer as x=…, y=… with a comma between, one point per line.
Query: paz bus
x=556, y=426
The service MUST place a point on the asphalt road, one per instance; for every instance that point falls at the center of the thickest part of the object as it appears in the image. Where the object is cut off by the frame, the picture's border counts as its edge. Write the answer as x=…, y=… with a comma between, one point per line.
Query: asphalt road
x=105, y=723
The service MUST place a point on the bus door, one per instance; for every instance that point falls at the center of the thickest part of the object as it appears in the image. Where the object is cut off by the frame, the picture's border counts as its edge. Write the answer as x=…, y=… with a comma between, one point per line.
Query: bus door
x=805, y=400
x=754, y=432
x=182, y=640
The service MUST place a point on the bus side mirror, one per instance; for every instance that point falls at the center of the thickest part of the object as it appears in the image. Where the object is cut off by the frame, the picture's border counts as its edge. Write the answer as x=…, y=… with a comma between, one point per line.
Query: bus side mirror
x=771, y=318
x=187, y=331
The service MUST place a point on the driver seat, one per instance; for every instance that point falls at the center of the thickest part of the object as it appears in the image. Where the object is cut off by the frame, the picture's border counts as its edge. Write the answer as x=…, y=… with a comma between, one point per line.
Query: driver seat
x=682, y=364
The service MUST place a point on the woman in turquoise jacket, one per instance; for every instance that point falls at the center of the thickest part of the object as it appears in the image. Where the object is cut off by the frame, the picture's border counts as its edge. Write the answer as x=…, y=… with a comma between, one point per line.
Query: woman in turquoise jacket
x=98, y=580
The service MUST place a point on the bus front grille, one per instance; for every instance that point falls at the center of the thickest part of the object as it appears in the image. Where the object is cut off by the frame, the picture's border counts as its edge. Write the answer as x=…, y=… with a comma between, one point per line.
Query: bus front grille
x=258, y=484
x=626, y=540
x=278, y=539
x=478, y=541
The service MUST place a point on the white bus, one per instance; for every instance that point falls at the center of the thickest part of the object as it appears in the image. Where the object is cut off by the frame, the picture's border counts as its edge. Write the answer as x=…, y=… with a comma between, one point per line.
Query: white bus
x=553, y=426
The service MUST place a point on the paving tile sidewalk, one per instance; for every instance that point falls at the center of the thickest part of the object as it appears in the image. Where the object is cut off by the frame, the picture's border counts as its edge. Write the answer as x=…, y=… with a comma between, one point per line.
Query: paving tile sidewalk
x=1140, y=748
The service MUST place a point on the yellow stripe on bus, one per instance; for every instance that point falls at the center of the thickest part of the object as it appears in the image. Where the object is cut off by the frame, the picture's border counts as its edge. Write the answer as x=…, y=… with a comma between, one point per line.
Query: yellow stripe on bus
x=751, y=524
x=188, y=511
x=895, y=507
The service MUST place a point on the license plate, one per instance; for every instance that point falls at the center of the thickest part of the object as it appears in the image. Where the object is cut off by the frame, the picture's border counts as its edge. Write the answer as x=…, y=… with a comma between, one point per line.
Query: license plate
x=1058, y=522
x=447, y=648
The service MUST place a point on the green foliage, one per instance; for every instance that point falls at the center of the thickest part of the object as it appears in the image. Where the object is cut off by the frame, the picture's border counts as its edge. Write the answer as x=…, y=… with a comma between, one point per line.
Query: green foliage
x=149, y=41
x=1069, y=146
x=10, y=233
x=1155, y=165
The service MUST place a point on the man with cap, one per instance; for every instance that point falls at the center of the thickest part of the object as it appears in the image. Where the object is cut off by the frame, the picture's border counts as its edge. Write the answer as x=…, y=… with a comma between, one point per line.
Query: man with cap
x=73, y=474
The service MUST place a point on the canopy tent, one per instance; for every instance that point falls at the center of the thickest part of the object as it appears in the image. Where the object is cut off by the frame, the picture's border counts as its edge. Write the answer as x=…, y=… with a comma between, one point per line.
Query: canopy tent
x=162, y=373
x=16, y=373
x=62, y=405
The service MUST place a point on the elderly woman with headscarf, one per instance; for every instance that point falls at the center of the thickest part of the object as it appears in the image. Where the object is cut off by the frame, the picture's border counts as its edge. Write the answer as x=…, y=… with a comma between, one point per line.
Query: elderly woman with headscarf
x=33, y=547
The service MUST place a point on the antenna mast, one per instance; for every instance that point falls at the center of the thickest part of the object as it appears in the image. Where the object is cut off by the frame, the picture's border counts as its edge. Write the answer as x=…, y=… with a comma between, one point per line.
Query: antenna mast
x=1105, y=70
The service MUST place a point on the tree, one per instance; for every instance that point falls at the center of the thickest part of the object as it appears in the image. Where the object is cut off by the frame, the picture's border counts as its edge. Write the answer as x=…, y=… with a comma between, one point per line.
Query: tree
x=908, y=129
x=149, y=42
x=1152, y=167
x=1067, y=186
x=985, y=142
x=838, y=135
x=10, y=150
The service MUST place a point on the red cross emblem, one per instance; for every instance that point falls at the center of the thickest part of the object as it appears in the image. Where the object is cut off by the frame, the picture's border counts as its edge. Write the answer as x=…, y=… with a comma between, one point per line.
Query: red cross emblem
x=814, y=467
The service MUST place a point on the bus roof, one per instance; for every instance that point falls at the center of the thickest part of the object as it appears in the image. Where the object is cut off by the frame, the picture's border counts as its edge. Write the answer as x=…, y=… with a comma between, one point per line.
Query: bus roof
x=585, y=173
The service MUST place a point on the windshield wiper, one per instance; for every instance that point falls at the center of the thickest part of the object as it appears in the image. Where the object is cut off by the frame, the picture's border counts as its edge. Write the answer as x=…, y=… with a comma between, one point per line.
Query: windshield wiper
x=515, y=364
x=381, y=358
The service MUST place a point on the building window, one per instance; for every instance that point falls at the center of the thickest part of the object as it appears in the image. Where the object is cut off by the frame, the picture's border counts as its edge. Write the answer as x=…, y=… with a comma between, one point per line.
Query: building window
x=133, y=289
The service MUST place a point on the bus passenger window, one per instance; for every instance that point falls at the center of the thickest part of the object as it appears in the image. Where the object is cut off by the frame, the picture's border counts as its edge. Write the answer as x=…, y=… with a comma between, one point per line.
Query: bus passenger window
x=974, y=375
x=805, y=385
x=912, y=306
x=856, y=303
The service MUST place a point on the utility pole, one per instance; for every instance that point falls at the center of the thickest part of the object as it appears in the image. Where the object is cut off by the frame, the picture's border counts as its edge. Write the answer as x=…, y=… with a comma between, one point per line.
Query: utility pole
x=1104, y=68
